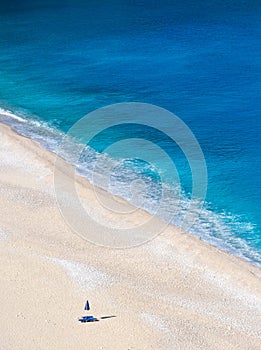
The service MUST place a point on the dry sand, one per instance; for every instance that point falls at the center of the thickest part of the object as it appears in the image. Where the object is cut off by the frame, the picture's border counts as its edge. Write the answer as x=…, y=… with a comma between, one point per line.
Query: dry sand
x=174, y=292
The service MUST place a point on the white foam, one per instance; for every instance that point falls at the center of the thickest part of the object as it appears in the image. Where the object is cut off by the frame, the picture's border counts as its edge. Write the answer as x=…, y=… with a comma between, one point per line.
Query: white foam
x=8, y=113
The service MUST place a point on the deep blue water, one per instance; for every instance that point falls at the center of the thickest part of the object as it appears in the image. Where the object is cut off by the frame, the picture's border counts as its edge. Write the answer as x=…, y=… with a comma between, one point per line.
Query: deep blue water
x=200, y=59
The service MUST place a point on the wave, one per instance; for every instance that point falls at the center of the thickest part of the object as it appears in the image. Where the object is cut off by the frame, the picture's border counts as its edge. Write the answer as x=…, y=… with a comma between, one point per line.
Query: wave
x=7, y=113
x=222, y=230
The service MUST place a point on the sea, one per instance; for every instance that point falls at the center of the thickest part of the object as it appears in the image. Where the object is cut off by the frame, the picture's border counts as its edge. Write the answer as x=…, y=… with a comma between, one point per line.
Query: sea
x=201, y=60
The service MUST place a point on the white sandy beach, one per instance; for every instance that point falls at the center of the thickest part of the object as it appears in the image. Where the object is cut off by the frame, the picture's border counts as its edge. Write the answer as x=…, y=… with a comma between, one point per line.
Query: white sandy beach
x=174, y=292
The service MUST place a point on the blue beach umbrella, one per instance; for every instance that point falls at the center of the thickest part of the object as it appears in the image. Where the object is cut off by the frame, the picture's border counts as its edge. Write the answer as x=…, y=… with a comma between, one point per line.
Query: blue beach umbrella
x=87, y=306
x=87, y=318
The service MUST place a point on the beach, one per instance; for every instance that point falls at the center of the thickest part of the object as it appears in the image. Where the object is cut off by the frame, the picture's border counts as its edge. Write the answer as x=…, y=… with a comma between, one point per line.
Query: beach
x=173, y=292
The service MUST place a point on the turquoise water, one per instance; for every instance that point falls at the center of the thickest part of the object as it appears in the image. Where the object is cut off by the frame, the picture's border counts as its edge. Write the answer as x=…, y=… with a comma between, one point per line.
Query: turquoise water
x=200, y=60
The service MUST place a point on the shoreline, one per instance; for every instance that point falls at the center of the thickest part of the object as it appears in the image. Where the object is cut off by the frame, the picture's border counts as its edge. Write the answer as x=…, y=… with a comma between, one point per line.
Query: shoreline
x=175, y=289
x=231, y=250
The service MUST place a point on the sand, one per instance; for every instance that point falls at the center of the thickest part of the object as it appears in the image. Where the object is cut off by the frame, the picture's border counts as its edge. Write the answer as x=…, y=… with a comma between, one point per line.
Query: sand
x=174, y=292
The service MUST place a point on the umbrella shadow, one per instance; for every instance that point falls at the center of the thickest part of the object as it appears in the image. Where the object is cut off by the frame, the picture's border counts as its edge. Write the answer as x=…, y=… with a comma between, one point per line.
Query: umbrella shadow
x=106, y=317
